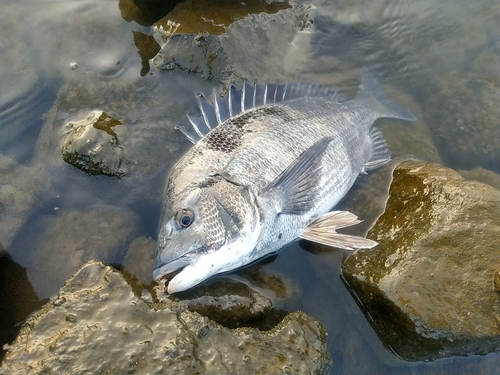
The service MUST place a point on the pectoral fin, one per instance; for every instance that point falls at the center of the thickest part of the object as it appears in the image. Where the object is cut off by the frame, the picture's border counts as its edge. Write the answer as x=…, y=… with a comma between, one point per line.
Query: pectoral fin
x=324, y=231
x=294, y=188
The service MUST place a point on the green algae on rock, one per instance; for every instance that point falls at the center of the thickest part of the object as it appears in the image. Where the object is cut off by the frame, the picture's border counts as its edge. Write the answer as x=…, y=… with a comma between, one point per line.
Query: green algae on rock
x=96, y=313
x=428, y=286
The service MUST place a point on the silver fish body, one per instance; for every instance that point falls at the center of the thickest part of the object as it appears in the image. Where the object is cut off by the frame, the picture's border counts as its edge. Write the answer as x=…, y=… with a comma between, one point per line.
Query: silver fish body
x=263, y=176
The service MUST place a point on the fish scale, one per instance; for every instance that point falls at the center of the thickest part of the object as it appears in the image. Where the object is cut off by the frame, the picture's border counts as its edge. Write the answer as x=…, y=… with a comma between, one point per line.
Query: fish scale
x=268, y=175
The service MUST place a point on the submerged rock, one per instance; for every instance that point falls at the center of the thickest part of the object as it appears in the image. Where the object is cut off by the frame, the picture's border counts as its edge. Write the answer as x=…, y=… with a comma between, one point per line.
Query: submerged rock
x=233, y=54
x=67, y=239
x=482, y=175
x=138, y=262
x=96, y=144
x=428, y=286
x=19, y=187
x=96, y=313
x=463, y=113
x=195, y=16
x=200, y=54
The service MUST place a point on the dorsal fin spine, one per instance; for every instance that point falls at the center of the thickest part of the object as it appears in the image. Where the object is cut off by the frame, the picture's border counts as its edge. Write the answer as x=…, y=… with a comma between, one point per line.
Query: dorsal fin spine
x=284, y=91
x=243, y=94
x=254, y=94
x=216, y=107
x=219, y=109
x=196, y=129
x=265, y=94
x=230, y=101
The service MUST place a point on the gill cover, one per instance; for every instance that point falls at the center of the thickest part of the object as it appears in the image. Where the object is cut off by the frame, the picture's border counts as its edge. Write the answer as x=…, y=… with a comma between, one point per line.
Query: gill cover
x=209, y=218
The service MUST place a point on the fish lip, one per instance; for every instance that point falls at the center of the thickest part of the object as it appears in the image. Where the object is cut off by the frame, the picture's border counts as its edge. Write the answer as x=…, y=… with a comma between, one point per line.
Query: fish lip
x=165, y=269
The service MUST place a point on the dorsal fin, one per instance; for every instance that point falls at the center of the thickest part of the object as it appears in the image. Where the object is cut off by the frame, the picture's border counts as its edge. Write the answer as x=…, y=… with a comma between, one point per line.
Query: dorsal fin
x=249, y=96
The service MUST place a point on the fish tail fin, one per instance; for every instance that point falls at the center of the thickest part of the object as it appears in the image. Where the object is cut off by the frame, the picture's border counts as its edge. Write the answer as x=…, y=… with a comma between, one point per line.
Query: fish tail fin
x=371, y=91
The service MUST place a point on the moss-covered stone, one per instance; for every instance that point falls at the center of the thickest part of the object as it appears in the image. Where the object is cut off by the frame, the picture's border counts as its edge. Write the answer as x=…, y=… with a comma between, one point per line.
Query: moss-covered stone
x=428, y=287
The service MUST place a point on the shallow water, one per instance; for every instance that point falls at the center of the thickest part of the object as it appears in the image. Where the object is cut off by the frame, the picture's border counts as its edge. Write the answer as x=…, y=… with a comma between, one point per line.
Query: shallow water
x=405, y=44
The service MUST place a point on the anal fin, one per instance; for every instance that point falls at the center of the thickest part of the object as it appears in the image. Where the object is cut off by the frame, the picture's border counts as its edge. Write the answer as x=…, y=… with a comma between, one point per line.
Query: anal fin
x=380, y=153
x=324, y=231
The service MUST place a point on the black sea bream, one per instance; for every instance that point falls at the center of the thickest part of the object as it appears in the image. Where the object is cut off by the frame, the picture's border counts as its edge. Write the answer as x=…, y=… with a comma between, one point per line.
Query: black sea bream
x=269, y=163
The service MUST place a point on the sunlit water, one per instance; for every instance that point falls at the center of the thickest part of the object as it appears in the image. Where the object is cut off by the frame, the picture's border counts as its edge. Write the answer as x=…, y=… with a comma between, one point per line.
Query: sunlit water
x=403, y=43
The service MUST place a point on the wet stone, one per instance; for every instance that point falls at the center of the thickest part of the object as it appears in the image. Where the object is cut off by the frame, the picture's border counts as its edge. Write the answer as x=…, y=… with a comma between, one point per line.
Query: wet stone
x=249, y=297
x=195, y=16
x=96, y=145
x=232, y=304
x=230, y=56
x=199, y=54
x=154, y=338
x=428, y=287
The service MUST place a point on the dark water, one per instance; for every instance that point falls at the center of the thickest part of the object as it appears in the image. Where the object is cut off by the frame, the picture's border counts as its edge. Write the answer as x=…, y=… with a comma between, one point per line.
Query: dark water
x=405, y=44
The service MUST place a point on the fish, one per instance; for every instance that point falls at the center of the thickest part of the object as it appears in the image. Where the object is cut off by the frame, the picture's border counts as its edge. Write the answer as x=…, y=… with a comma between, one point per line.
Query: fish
x=268, y=164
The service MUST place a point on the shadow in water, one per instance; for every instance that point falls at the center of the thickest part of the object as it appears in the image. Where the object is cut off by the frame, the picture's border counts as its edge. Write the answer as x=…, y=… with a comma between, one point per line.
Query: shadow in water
x=17, y=299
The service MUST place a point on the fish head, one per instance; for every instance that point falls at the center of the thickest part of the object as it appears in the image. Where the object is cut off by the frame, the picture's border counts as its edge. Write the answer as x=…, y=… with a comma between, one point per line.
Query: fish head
x=208, y=232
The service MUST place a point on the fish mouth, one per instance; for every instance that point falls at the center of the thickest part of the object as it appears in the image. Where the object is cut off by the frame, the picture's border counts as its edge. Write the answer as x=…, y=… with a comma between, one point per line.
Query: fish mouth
x=162, y=271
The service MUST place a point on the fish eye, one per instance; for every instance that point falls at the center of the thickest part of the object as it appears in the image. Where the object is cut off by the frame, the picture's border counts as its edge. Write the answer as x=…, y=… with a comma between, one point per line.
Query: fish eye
x=184, y=218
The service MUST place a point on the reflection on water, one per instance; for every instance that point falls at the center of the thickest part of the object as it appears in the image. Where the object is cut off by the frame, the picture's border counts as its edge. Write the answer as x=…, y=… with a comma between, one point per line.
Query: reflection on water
x=47, y=203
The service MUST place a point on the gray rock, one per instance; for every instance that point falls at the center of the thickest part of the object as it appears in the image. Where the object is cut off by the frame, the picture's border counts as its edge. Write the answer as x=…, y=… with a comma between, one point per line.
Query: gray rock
x=487, y=65
x=428, y=286
x=97, y=325
x=150, y=129
x=279, y=53
x=69, y=238
x=229, y=303
x=199, y=54
x=233, y=55
x=19, y=186
x=96, y=145
x=463, y=113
